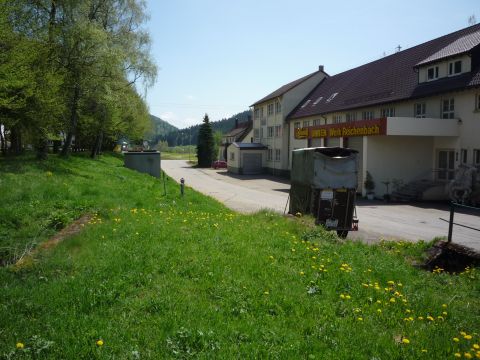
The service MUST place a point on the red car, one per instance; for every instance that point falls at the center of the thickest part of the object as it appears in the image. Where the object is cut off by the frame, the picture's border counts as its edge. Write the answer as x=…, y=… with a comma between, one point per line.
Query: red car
x=219, y=164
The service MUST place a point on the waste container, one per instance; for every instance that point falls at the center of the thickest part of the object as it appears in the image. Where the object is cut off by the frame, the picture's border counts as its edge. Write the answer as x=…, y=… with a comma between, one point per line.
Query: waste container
x=324, y=183
x=143, y=161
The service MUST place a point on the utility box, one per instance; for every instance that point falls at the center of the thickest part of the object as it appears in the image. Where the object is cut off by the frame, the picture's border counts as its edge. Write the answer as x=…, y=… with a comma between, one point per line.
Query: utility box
x=144, y=161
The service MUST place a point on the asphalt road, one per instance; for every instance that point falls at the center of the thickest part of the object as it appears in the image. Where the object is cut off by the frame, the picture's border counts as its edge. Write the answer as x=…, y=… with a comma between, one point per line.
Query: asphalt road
x=378, y=220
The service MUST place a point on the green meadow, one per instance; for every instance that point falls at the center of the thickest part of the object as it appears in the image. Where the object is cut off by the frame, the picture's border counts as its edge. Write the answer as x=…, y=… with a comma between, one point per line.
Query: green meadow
x=153, y=275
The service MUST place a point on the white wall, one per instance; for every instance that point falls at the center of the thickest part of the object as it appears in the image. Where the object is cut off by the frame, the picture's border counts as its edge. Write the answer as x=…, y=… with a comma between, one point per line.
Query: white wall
x=397, y=157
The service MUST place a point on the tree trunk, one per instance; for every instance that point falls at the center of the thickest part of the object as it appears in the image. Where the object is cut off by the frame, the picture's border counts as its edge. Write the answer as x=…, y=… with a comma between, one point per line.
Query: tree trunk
x=42, y=148
x=97, y=146
x=16, y=140
x=73, y=121
x=3, y=141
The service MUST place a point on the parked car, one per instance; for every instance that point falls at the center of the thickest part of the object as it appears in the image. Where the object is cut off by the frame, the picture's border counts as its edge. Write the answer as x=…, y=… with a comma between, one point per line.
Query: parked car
x=219, y=164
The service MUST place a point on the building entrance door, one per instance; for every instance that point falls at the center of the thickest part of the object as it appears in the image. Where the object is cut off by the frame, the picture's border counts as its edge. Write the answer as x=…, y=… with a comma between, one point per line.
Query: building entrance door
x=446, y=164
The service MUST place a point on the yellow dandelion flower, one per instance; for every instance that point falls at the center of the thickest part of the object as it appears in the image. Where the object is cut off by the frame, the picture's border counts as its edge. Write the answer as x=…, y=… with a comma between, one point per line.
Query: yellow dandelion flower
x=392, y=300
x=20, y=345
x=379, y=310
x=430, y=318
x=420, y=318
x=266, y=293
x=467, y=355
x=270, y=257
x=468, y=337
x=457, y=355
x=302, y=273
x=476, y=346
x=391, y=283
x=444, y=313
x=405, y=341
x=342, y=296
x=463, y=333
x=444, y=306
x=347, y=297
x=424, y=350
x=99, y=342
x=456, y=339
x=360, y=319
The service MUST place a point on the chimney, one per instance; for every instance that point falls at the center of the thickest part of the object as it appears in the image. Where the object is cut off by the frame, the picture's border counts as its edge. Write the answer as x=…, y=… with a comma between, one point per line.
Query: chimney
x=320, y=67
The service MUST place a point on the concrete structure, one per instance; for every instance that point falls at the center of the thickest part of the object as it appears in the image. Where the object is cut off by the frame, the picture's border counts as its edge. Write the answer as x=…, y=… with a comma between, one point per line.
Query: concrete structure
x=143, y=161
x=413, y=115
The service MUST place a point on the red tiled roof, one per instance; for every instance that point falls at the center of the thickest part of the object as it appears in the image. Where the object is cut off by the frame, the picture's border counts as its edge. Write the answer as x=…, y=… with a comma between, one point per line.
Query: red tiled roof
x=390, y=79
x=282, y=90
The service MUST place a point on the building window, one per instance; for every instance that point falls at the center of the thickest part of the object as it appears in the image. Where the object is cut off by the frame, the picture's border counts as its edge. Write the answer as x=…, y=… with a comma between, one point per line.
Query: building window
x=367, y=115
x=463, y=156
x=455, y=67
x=277, y=154
x=270, y=109
x=270, y=131
x=350, y=117
x=388, y=112
x=432, y=73
x=317, y=101
x=278, y=107
x=419, y=110
x=337, y=119
x=448, y=109
x=476, y=157
x=269, y=155
x=316, y=122
x=256, y=133
x=232, y=156
x=297, y=125
x=306, y=123
x=256, y=114
x=331, y=97
x=306, y=103
x=261, y=133
x=278, y=130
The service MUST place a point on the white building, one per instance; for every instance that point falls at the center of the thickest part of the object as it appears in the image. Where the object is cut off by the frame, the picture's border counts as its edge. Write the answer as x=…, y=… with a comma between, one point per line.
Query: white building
x=414, y=116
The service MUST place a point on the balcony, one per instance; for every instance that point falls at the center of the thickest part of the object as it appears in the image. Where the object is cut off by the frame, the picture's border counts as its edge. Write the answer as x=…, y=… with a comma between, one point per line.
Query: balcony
x=411, y=126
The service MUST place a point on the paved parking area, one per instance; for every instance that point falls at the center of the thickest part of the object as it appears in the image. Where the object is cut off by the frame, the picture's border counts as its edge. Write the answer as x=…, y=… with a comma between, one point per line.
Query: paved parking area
x=378, y=220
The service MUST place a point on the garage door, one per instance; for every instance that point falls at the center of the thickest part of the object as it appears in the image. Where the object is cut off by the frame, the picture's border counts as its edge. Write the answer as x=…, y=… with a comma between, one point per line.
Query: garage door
x=252, y=164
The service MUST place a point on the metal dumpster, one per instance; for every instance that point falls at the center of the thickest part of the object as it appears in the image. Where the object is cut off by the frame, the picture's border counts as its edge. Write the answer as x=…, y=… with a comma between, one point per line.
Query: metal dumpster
x=143, y=161
x=324, y=183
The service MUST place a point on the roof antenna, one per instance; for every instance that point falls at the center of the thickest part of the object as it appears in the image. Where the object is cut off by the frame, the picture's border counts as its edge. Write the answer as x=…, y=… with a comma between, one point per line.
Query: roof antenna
x=472, y=20
x=398, y=48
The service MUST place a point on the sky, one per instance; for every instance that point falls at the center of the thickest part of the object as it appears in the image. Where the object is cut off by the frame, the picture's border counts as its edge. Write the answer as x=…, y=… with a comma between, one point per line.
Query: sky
x=219, y=56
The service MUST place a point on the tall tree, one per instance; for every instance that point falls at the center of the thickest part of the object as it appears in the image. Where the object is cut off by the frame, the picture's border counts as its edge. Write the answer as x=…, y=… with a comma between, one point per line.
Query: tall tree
x=206, y=144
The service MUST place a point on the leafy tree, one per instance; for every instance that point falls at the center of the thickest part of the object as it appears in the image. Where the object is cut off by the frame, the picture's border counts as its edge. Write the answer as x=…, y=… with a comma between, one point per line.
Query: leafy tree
x=206, y=143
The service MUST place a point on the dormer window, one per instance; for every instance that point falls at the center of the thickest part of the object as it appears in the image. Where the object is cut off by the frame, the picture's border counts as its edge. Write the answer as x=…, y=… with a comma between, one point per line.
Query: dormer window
x=455, y=67
x=432, y=73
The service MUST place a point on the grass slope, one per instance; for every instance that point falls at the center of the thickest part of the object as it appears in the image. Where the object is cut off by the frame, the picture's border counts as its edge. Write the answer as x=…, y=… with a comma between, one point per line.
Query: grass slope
x=160, y=276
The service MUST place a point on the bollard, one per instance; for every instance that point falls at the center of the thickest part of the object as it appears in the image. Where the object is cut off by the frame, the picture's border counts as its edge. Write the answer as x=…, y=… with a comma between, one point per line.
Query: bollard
x=450, y=223
x=182, y=186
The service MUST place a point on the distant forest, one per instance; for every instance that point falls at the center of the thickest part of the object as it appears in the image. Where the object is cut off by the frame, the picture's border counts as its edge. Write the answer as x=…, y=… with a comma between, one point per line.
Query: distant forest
x=163, y=131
